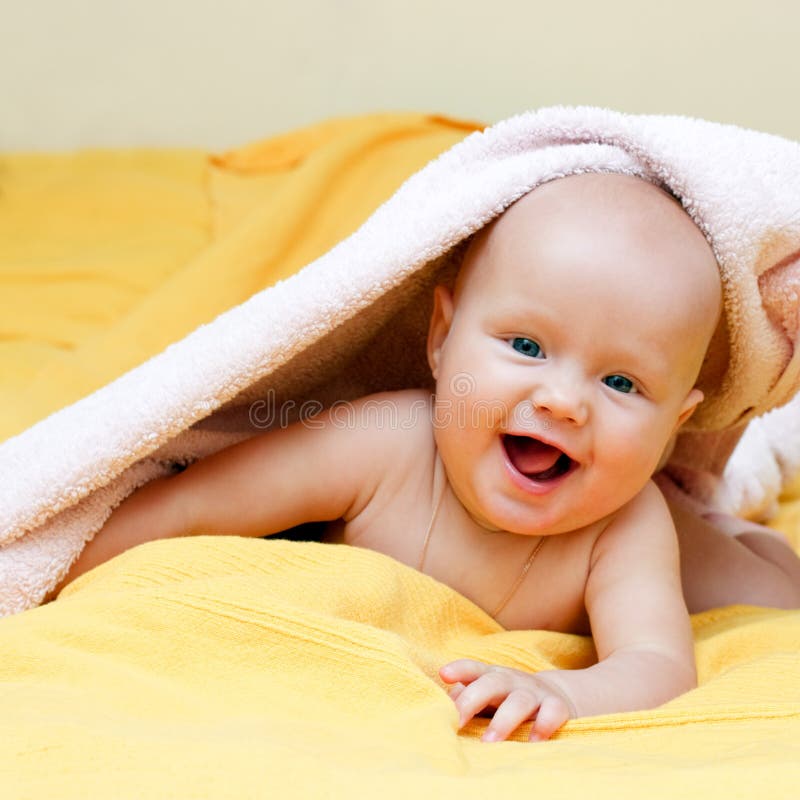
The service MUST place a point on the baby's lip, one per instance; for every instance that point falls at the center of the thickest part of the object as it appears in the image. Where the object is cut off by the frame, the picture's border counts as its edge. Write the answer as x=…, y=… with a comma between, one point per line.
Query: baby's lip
x=546, y=440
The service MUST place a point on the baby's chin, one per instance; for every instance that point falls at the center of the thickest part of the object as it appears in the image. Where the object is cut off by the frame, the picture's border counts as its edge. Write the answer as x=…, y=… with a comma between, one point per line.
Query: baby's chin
x=573, y=511
x=527, y=526
x=546, y=522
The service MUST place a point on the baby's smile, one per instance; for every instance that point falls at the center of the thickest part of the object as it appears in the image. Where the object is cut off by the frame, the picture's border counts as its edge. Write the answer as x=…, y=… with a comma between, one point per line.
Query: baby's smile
x=535, y=466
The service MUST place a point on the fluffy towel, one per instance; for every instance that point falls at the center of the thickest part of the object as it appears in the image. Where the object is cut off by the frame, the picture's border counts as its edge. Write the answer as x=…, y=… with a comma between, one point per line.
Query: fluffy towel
x=317, y=336
x=222, y=667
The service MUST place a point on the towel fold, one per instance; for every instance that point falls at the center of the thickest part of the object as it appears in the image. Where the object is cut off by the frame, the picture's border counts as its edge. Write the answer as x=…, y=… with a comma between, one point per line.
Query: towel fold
x=315, y=336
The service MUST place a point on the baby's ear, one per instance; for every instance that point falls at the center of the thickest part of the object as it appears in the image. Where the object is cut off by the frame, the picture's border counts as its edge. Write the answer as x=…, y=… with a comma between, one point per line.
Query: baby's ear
x=441, y=317
x=690, y=403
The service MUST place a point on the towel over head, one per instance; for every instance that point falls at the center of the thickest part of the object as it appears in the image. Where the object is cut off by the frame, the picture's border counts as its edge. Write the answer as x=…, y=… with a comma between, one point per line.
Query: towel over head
x=315, y=338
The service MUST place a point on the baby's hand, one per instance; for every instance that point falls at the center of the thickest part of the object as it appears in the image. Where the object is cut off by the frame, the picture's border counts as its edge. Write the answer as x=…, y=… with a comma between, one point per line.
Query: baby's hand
x=518, y=696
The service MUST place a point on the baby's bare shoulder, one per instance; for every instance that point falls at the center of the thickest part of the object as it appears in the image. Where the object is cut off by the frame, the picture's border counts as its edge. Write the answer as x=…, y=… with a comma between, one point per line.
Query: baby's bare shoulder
x=643, y=527
x=404, y=401
x=648, y=505
x=399, y=415
x=396, y=432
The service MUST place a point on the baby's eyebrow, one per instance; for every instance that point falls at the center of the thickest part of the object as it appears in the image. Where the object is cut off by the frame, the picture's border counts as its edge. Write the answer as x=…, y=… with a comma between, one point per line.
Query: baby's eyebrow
x=653, y=357
x=524, y=312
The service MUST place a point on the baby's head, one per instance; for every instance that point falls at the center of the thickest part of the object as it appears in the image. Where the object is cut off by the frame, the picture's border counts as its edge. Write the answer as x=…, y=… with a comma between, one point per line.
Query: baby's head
x=579, y=321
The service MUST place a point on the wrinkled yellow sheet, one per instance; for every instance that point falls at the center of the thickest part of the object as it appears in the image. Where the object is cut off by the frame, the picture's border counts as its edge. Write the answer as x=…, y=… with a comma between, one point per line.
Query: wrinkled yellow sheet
x=218, y=667
x=226, y=668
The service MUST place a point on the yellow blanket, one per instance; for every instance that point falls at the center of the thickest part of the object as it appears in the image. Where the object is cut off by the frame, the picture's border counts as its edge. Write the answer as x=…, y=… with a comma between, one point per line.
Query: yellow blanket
x=220, y=667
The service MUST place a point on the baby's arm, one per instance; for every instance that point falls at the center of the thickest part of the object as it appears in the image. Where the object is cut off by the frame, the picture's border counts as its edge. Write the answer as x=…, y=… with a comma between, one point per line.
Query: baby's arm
x=314, y=470
x=641, y=631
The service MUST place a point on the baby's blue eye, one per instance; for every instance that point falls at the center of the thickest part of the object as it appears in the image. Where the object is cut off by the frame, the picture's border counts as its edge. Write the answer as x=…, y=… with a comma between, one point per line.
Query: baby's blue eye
x=526, y=346
x=620, y=383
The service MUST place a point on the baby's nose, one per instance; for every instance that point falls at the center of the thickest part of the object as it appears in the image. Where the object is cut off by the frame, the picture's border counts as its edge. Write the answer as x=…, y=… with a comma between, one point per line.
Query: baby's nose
x=562, y=401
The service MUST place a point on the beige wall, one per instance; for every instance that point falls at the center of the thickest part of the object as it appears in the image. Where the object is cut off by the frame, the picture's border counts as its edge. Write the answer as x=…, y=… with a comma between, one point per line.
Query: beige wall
x=217, y=74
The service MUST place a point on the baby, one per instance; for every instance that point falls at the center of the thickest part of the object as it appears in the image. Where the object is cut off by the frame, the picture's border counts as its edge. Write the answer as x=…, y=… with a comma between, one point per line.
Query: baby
x=565, y=361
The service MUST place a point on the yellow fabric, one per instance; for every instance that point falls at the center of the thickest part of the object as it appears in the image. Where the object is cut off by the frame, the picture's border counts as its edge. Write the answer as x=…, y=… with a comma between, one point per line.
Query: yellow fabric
x=224, y=667
x=106, y=258
x=787, y=519
x=218, y=667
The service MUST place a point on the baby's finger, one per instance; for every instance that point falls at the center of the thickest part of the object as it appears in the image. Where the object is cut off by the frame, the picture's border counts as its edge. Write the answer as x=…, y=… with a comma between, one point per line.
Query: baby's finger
x=455, y=690
x=464, y=670
x=488, y=690
x=553, y=713
x=512, y=712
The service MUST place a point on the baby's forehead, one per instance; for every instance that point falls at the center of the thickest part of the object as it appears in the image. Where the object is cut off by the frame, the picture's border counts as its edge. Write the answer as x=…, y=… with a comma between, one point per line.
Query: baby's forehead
x=608, y=183
x=596, y=239
x=596, y=210
x=612, y=196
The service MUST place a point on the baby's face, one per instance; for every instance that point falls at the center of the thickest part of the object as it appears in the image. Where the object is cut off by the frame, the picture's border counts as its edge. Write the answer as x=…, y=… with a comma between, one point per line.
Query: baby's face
x=566, y=356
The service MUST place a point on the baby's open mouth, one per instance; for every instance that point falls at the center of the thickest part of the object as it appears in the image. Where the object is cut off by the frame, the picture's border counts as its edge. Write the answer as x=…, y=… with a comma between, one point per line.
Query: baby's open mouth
x=534, y=459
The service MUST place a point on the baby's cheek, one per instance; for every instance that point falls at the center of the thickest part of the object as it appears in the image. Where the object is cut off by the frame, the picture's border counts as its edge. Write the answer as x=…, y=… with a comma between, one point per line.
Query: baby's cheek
x=665, y=454
x=633, y=456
